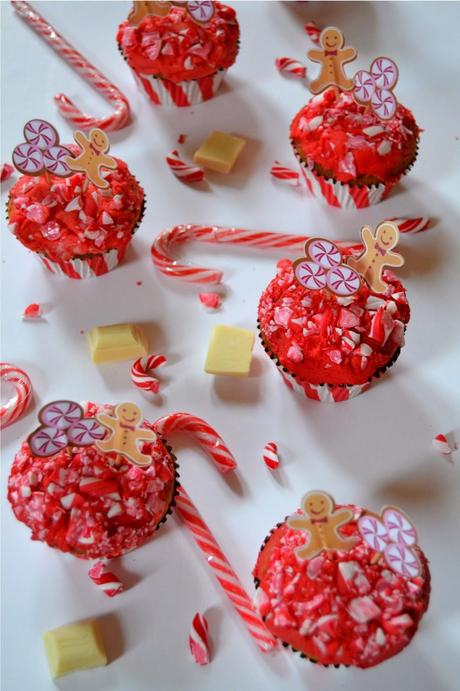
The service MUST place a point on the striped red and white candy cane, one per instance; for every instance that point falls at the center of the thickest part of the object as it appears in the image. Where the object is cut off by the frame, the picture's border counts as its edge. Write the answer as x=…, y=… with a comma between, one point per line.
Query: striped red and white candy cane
x=88, y=71
x=285, y=174
x=20, y=399
x=214, y=445
x=183, y=171
x=313, y=31
x=140, y=372
x=291, y=66
x=107, y=581
x=412, y=225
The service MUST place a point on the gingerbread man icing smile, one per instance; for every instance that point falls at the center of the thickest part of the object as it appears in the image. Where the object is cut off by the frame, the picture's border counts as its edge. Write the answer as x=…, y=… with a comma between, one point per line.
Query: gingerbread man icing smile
x=332, y=59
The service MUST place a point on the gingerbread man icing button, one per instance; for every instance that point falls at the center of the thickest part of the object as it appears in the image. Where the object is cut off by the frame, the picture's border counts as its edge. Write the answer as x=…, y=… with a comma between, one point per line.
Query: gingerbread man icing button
x=321, y=523
x=332, y=59
x=93, y=156
x=377, y=254
x=126, y=433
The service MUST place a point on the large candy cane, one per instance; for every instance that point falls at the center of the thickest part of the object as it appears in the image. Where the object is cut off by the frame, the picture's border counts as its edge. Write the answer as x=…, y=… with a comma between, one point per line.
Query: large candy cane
x=17, y=404
x=68, y=109
x=212, y=443
x=165, y=242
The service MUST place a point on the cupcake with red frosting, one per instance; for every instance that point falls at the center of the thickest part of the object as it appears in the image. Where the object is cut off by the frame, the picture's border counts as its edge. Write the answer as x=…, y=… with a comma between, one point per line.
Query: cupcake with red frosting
x=351, y=604
x=84, y=500
x=349, y=157
x=327, y=346
x=77, y=229
x=179, y=52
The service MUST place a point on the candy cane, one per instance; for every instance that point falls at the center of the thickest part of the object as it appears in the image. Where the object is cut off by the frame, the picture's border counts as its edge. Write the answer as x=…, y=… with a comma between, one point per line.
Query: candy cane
x=182, y=170
x=105, y=579
x=285, y=174
x=140, y=369
x=412, y=225
x=213, y=444
x=198, y=640
x=68, y=109
x=291, y=66
x=270, y=455
x=313, y=32
x=17, y=404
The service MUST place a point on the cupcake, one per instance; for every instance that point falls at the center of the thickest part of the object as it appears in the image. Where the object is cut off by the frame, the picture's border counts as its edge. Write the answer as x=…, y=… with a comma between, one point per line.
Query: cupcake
x=179, y=60
x=329, y=346
x=349, y=157
x=340, y=585
x=79, y=498
x=76, y=228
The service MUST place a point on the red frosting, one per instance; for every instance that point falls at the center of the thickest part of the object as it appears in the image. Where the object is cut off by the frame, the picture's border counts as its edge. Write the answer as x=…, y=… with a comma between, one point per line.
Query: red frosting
x=348, y=141
x=112, y=514
x=338, y=608
x=322, y=338
x=58, y=219
x=177, y=48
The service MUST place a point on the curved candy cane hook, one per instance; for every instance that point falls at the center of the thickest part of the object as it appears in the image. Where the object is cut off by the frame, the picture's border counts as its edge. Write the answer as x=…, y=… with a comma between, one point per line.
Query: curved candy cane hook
x=68, y=109
x=214, y=445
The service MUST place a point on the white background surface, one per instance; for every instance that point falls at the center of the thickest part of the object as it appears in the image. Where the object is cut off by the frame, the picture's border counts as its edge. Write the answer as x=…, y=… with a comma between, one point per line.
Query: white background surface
x=373, y=450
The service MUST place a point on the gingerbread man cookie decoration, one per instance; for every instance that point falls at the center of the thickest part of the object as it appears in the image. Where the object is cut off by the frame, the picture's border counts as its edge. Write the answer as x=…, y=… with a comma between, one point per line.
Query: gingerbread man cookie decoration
x=125, y=433
x=332, y=59
x=143, y=8
x=377, y=254
x=93, y=156
x=321, y=523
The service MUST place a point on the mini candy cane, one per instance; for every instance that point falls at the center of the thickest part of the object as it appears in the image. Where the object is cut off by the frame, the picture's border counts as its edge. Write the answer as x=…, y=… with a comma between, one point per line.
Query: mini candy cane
x=92, y=75
x=214, y=445
x=182, y=170
x=17, y=404
x=285, y=174
x=270, y=456
x=198, y=640
x=291, y=66
x=140, y=369
x=105, y=579
x=313, y=32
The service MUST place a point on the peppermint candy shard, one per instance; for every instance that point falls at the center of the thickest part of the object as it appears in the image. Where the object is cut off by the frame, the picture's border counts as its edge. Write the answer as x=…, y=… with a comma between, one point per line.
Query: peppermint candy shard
x=342, y=280
x=28, y=159
x=364, y=86
x=40, y=133
x=198, y=640
x=373, y=532
x=400, y=529
x=385, y=73
x=60, y=414
x=202, y=12
x=402, y=560
x=85, y=432
x=54, y=160
x=324, y=253
x=46, y=441
x=310, y=275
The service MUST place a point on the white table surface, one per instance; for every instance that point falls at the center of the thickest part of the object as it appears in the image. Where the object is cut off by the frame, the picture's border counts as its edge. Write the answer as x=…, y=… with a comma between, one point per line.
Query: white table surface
x=373, y=450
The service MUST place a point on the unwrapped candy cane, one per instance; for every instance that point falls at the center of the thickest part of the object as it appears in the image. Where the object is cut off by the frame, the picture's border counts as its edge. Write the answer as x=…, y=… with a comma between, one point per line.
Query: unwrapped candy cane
x=212, y=443
x=289, y=176
x=68, y=109
x=105, y=579
x=140, y=370
x=412, y=225
x=313, y=32
x=291, y=66
x=20, y=399
x=182, y=170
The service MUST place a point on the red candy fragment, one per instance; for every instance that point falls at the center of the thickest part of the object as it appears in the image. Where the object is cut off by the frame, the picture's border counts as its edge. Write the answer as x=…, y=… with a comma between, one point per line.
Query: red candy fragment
x=32, y=311
x=6, y=172
x=198, y=640
x=211, y=301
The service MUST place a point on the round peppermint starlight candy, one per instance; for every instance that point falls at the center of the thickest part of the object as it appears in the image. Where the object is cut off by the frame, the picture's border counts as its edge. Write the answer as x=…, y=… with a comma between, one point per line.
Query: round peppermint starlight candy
x=47, y=441
x=310, y=274
x=364, y=86
x=54, y=160
x=201, y=11
x=384, y=103
x=400, y=529
x=324, y=253
x=85, y=432
x=385, y=73
x=40, y=133
x=373, y=532
x=28, y=159
x=60, y=414
x=402, y=560
x=342, y=280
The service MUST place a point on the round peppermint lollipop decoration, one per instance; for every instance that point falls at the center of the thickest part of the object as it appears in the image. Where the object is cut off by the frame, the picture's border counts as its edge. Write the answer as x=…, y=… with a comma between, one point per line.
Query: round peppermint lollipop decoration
x=399, y=527
x=384, y=103
x=342, y=280
x=60, y=414
x=201, y=12
x=324, y=253
x=310, y=275
x=402, y=560
x=364, y=86
x=41, y=152
x=28, y=159
x=373, y=532
x=40, y=133
x=47, y=441
x=385, y=73
x=85, y=432
x=54, y=160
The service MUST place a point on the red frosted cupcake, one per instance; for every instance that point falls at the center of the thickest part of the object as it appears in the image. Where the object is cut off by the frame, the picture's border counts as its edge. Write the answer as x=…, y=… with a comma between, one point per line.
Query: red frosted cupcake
x=81, y=499
x=327, y=346
x=340, y=585
x=77, y=229
x=350, y=157
x=181, y=54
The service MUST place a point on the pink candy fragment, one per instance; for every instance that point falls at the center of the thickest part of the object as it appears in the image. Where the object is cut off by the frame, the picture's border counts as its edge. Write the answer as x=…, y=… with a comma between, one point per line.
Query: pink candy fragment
x=6, y=171
x=32, y=311
x=211, y=301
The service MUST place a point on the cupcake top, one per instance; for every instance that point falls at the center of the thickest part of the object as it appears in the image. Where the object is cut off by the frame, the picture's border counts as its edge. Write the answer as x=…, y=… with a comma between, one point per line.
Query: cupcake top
x=176, y=47
x=323, y=338
x=90, y=503
x=339, y=607
x=348, y=142
x=68, y=218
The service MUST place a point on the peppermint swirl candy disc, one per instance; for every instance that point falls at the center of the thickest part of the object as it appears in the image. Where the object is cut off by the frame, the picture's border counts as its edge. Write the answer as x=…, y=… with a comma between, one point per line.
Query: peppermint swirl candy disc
x=47, y=441
x=85, y=432
x=324, y=253
x=310, y=274
x=60, y=414
x=201, y=12
x=400, y=529
x=54, y=160
x=402, y=560
x=342, y=280
x=385, y=73
x=373, y=532
x=384, y=103
x=28, y=159
x=40, y=133
x=364, y=86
